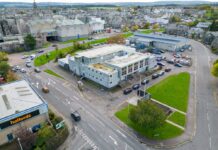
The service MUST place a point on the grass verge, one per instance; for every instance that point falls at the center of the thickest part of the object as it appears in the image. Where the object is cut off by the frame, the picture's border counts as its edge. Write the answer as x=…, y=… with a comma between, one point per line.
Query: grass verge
x=173, y=91
x=53, y=73
x=74, y=40
x=167, y=131
x=178, y=118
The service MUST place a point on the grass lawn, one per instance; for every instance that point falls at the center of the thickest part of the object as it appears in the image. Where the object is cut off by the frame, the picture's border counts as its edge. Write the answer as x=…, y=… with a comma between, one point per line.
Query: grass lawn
x=178, y=118
x=148, y=31
x=173, y=91
x=53, y=73
x=165, y=132
x=74, y=40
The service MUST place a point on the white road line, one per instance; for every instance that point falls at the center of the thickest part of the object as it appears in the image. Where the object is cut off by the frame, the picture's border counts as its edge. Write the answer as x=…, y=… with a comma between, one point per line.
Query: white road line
x=76, y=97
x=92, y=127
x=115, y=142
x=82, y=145
x=121, y=133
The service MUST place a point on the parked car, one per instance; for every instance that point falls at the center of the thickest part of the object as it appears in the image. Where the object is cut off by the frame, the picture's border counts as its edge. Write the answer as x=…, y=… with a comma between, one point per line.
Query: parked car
x=76, y=116
x=28, y=61
x=154, y=76
x=22, y=70
x=37, y=70
x=127, y=91
x=176, y=55
x=32, y=56
x=160, y=64
x=25, y=56
x=161, y=73
x=170, y=61
x=17, y=68
x=167, y=69
x=40, y=51
x=178, y=65
x=28, y=65
x=145, y=81
x=135, y=86
x=14, y=69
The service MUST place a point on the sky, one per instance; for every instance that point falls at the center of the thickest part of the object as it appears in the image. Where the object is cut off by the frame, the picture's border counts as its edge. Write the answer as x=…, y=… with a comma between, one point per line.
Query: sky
x=92, y=1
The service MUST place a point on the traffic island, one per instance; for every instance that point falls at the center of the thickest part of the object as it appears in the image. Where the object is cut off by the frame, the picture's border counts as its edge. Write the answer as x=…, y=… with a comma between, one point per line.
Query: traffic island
x=172, y=93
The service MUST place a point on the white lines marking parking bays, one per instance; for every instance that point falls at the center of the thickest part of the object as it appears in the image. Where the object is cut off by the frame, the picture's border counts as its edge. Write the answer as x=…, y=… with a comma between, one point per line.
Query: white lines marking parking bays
x=115, y=142
x=121, y=133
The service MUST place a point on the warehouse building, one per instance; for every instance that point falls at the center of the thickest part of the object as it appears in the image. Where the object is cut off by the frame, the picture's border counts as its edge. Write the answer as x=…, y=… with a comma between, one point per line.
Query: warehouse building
x=160, y=41
x=20, y=106
x=110, y=64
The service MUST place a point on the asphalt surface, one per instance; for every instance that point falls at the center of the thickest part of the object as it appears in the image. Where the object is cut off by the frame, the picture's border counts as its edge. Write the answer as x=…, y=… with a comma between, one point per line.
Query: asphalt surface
x=97, y=131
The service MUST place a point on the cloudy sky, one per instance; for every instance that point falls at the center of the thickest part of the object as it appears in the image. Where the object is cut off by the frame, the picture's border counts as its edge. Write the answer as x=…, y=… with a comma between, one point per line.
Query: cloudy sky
x=90, y=1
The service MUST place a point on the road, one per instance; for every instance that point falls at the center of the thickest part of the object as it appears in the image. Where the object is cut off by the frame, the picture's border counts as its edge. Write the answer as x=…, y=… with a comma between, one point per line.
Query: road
x=98, y=131
x=207, y=121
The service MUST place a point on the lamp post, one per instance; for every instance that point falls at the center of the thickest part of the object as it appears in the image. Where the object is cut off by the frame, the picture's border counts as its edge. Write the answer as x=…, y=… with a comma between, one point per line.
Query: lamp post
x=21, y=148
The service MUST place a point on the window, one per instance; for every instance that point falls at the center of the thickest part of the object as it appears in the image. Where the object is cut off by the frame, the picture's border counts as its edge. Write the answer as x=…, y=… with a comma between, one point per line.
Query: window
x=146, y=62
x=141, y=63
x=136, y=66
x=129, y=68
x=124, y=71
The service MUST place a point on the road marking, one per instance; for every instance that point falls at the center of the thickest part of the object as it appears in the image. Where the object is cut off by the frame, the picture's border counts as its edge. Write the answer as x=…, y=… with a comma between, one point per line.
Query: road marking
x=82, y=145
x=128, y=147
x=174, y=124
x=92, y=127
x=76, y=97
x=210, y=142
x=115, y=142
x=121, y=133
x=37, y=85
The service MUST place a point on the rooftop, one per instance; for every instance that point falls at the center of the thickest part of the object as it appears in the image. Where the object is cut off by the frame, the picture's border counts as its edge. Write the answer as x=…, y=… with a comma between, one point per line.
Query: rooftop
x=128, y=59
x=103, y=67
x=17, y=96
x=104, y=50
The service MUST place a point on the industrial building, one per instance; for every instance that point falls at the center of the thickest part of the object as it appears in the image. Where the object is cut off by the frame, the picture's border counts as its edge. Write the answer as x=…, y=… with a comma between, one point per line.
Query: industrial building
x=160, y=41
x=109, y=65
x=20, y=106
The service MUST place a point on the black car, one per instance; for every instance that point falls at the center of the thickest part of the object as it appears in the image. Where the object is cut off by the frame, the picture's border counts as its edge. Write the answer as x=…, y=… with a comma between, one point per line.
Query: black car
x=76, y=116
x=167, y=69
x=40, y=51
x=160, y=64
x=28, y=65
x=135, y=86
x=127, y=91
x=170, y=61
x=145, y=81
x=37, y=70
x=154, y=76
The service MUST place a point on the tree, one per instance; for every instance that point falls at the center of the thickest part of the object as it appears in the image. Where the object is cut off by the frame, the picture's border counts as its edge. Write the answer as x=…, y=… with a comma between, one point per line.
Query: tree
x=135, y=27
x=30, y=42
x=214, y=26
x=125, y=29
x=119, y=9
x=174, y=19
x=147, y=25
x=11, y=76
x=155, y=26
x=26, y=137
x=3, y=56
x=117, y=39
x=4, y=68
x=148, y=115
x=214, y=69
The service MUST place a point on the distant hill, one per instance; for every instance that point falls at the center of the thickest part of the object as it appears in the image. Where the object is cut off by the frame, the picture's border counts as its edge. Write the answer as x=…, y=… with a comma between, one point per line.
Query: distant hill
x=157, y=3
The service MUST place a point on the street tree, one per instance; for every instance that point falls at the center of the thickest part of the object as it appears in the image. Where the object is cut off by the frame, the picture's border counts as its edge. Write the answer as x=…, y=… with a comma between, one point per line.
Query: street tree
x=30, y=42
x=214, y=69
x=147, y=25
x=117, y=39
x=174, y=19
x=4, y=68
x=3, y=56
x=148, y=115
x=155, y=26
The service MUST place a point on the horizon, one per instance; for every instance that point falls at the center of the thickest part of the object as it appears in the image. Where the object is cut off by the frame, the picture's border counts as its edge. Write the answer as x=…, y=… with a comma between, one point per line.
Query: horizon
x=100, y=1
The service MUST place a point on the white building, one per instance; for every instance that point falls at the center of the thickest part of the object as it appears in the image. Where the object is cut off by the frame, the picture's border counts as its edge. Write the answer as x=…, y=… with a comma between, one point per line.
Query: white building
x=106, y=65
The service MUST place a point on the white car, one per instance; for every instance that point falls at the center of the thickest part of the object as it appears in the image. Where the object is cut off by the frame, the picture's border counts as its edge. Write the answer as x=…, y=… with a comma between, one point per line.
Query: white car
x=23, y=70
x=161, y=73
x=28, y=61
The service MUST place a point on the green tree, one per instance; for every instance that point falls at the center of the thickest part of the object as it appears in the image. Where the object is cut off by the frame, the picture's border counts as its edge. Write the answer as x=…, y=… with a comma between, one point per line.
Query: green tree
x=148, y=115
x=119, y=9
x=147, y=25
x=135, y=27
x=214, y=69
x=155, y=26
x=4, y=68
x=174, y=19
x=214, y=26
x=3, y=56
x=30, y=42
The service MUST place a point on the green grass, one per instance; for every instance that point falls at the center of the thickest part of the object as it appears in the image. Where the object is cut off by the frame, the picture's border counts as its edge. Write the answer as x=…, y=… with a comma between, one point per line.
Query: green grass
x=173, y=91
x=53, y=73
x=148, y=31
x=74, y=40
x=178, y=118
x=42, y=59
x=167, y=131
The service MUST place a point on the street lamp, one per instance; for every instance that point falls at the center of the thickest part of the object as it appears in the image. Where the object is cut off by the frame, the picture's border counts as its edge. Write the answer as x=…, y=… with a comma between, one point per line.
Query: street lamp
x=21, y=148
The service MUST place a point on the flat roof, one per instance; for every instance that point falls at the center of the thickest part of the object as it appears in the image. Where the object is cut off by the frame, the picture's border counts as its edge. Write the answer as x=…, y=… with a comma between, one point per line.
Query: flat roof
x=128, y=59
x=161, y=37
x=103, y=67
x=104, y=50
x=16, y=97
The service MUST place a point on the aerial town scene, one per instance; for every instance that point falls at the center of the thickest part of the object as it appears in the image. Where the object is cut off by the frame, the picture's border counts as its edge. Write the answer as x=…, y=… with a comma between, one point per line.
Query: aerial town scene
x=108, y=75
